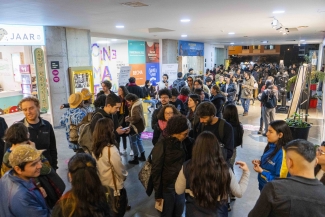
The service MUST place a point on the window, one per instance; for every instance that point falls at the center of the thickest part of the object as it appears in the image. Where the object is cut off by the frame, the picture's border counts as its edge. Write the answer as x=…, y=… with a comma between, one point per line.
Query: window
x=256, y=47
x=269, y=47
x=245, y=47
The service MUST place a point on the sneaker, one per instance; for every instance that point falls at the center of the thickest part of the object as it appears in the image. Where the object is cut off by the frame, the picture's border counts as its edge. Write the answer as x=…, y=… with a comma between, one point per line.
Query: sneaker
x=229, y=208
x=134, y=161
x=232, y=198
x=245, y=113
x=131, y=152
x=124, y=151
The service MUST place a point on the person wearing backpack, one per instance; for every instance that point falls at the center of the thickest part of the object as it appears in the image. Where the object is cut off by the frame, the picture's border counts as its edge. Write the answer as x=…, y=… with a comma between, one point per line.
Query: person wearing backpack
x=179, y=82
x=269, y=102
x=71, y=119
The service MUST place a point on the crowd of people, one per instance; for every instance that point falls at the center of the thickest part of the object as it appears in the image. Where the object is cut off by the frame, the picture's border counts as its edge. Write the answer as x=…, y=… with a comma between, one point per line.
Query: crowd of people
x=196, y=133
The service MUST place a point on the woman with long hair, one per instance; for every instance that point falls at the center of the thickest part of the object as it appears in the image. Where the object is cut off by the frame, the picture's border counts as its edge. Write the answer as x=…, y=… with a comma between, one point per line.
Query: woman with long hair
x=193, y=101
x=109, y=163
x=230, y=114
x=168, y=156
x=273, y=163
x=164, y=114
x=207, y=180
x=124, y=111
x=87, y=194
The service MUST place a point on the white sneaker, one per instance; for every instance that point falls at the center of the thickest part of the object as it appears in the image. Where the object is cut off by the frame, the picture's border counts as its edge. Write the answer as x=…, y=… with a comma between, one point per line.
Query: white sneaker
x=124, y=151
x=131, y=153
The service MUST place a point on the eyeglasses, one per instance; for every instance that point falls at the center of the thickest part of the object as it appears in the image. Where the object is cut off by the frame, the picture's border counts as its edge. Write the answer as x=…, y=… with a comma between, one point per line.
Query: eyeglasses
x=320, y=151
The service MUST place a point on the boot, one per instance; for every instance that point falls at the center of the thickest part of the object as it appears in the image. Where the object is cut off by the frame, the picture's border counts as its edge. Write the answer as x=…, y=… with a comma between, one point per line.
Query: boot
x=142, y=157
x=134, y=161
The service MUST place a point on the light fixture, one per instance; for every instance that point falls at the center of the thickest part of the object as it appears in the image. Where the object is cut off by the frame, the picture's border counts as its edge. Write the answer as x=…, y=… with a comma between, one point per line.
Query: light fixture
x=114, y=39
x=232, y=43
x=264, y=42
x=183, y=36
x=231, y=33
x=302, y=40
x=278, y=12
x=119, y=27
x=284, y=33
x=185, y=20
x=274, y=23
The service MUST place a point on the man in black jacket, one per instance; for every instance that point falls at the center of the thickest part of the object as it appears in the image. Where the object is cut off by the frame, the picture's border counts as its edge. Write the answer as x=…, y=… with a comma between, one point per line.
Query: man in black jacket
x=299, y=195
x=219, y=127
x=134, y=88
x=40, y=131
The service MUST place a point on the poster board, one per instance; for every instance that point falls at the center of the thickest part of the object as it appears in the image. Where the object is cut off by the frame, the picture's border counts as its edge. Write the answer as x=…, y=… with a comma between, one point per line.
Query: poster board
x=124, y=75
x=81, y=77
x=298, y=89
x=170, y=70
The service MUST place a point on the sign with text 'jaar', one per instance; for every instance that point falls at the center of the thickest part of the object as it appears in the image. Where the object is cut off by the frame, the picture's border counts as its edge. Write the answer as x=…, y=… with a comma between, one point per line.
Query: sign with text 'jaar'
x=21, y=35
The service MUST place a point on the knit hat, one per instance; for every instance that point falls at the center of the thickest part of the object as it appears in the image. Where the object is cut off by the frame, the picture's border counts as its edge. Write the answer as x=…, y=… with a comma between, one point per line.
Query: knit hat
x=75, y=99
x=24, y=153
x=85, y=94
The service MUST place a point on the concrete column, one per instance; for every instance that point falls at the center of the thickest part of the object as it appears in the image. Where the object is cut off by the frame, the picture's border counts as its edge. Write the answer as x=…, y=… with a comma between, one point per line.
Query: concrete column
x=169, y=51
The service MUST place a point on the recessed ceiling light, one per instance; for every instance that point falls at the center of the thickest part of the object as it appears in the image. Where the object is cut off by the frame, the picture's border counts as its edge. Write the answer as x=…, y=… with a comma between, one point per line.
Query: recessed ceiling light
x=185, y=20
x=278, y=12
x=302, y=40
x=120, y=26
x=264, y=42
x=232, y=43
x=183, y=36
x=231, y=33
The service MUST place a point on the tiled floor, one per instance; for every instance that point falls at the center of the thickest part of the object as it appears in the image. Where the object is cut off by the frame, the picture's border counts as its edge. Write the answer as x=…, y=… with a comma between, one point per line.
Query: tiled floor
x=143, y=206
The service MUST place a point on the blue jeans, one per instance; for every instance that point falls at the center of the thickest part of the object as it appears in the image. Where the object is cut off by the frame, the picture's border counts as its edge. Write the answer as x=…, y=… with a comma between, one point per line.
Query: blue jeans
x=173, y=203
x=153, y=102
x=245, y=103
x=136, y=143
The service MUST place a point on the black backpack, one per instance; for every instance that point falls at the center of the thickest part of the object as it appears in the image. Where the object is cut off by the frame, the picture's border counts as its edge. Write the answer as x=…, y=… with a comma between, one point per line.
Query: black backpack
x=271, y=100
x=178, y=84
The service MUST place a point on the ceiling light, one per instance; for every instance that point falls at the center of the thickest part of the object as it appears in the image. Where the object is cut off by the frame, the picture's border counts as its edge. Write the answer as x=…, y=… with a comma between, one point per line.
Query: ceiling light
x=119, y=27
x=278, y=12
x=231, y=33
x=183, y=36
x=264, y=42
x=302, y=40
x=284, y=33
x=114, y=39
x=185, y=20
x=232, y=43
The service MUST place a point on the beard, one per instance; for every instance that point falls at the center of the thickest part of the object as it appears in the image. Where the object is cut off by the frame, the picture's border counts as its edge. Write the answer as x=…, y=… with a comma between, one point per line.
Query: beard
x=209, y=122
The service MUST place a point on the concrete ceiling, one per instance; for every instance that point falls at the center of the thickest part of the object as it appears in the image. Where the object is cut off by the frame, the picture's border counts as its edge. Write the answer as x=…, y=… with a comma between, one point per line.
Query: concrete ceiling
x=211, y=20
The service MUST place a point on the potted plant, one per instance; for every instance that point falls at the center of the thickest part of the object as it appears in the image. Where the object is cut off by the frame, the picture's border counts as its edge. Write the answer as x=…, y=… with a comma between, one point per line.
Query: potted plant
x=313, y=101
x=299, y=128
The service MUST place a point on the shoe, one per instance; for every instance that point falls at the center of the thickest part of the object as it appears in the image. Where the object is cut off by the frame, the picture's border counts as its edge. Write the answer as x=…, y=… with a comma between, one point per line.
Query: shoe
x=124, y=151
x=260, y=131
x=264, y=134
x=232, y=197
x=131, y=152
x=238, y=103
x=142, y=157
x=245, y=113
x=229, y=208
x=134, y=161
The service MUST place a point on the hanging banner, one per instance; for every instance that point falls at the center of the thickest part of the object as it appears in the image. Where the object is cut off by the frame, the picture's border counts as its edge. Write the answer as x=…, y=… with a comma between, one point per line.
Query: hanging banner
x=170, y=70
x=152, y=71
x=188, y=48
x=136, y=51
x=41, y=79
x=152, y=52
x=124, y=75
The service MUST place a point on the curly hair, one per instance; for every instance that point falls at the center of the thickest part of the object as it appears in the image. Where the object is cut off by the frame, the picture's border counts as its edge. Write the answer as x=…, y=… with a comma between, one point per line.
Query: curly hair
x=29, y=98
x=176, y=124
x=165, y=92
x=185, y=91
x=175, y=92
x=16, y=133
x=161, y=113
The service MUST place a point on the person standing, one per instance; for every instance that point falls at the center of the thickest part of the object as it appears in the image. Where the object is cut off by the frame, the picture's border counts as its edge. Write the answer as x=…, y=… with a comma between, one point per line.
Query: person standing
x=229, y=89
x=320, y=168
x=247, y=91
x=19, y=195
x=190, y=83
x=40, y=131
x=149, y=94
x=106, y=86
x=269, y=102
x=134, y=88
x=179, y=105
x=163, y=84
x=272, y=165
x=218, y=100
x=299, y=195
x=179, y=83
x=3, y=128
x=190, y=73
x=220, y=128
x=164, y=96
x=137, y=126
x=122, y=113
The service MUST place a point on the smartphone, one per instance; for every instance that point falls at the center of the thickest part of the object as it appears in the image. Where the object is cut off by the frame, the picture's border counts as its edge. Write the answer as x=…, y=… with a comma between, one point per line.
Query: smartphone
x=126, y=128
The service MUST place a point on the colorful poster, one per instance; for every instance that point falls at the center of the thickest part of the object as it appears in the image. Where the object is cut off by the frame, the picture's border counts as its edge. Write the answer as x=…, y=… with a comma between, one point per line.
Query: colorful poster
x=152, y=71
x=139, y=72
x=41, y=79
x=188, y=48
x=136, y=51
x=152, y=52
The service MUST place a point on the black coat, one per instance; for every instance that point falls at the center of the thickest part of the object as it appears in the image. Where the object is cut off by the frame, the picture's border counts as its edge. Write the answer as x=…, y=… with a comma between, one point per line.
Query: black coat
x=135, y=89
x=232, y=90
x=3, y=128
x=168, y=156
x=218, y=101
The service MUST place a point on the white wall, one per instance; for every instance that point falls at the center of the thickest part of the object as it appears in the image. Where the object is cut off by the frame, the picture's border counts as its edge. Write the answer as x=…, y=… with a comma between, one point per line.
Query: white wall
x=7, y=81
x=209, y=56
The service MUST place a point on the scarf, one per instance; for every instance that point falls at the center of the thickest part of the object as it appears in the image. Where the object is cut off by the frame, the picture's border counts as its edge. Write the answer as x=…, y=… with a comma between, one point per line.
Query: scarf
x=162, y=124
